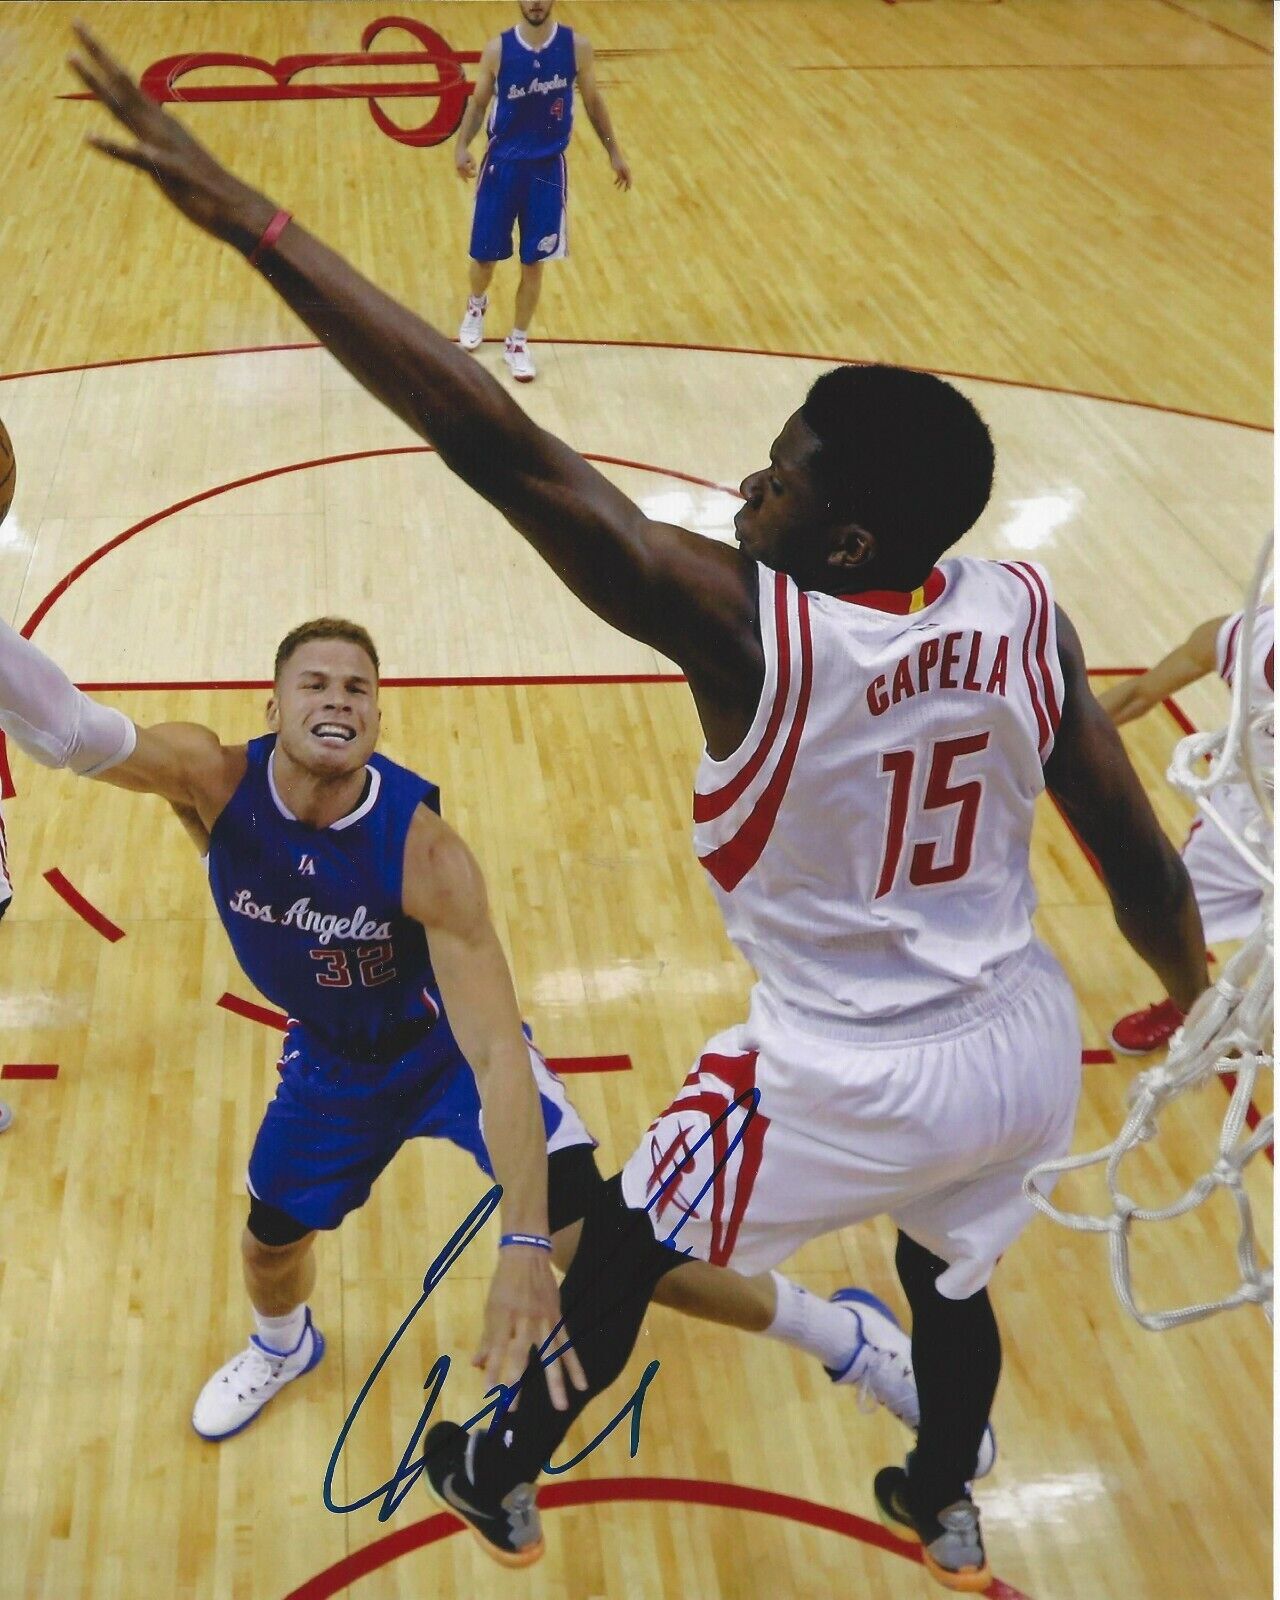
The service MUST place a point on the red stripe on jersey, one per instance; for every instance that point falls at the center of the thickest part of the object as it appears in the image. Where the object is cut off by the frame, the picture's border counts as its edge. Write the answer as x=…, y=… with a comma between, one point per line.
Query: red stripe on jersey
x=1042, y=721
x=706, y=807
x=1269, y=667
x=731, y=862
x=1229, y=654
x=1052, y=707
x=4, y=852
x=739, y=1072
x=7, y=789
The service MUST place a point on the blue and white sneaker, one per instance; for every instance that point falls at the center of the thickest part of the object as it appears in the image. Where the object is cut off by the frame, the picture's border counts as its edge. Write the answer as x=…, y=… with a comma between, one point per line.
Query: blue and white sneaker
x=236, y=1393
x=881, y=1368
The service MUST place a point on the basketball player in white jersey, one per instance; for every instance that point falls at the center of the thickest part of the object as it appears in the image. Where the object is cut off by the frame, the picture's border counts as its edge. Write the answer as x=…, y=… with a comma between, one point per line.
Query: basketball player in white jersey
x=878, y=727
x=1228, y=891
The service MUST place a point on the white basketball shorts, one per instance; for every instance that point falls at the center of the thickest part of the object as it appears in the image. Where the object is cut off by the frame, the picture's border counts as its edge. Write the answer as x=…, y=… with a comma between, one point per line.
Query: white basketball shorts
x=781, y=1133
x=1228, y=891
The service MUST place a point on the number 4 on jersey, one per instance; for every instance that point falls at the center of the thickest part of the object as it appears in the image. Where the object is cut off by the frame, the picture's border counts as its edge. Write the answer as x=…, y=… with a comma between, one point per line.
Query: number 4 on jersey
x=939, y=794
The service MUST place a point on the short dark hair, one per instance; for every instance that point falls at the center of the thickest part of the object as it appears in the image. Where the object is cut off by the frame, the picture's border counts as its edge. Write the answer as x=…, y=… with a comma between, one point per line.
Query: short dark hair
x=903, y=454
x=325, y=628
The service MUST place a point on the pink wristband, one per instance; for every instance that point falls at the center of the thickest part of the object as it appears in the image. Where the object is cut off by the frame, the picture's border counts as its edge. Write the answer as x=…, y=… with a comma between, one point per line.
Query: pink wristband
x=270, y=234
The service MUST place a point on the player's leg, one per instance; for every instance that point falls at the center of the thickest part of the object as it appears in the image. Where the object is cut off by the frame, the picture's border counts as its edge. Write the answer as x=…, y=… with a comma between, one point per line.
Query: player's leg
x=491, y=241
x=312, y=1163
x=543, y=238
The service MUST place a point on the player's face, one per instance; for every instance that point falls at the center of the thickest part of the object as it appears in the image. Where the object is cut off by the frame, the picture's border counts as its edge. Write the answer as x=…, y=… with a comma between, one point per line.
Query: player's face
x=325, y=708
x=536, y=12
x=785, y=519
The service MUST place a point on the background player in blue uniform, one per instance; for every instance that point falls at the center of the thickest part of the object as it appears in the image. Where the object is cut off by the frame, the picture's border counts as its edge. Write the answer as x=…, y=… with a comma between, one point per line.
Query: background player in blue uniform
x=525, y=82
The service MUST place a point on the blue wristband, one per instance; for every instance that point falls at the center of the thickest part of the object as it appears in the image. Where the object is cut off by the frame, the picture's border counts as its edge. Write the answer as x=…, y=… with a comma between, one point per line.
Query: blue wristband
x=537, y=1240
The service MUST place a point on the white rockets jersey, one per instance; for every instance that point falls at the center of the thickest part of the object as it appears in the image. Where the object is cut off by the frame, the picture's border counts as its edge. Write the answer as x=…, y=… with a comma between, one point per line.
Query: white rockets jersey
x=1262, y=666
x=868, y=842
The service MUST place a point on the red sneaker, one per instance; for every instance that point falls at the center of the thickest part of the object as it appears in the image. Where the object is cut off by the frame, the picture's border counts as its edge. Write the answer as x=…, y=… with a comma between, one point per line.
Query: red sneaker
x=1141, y=1032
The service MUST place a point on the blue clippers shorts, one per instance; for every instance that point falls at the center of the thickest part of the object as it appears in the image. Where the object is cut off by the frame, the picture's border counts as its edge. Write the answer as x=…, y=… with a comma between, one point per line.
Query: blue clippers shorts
x=533, y=193
x=334, y=1125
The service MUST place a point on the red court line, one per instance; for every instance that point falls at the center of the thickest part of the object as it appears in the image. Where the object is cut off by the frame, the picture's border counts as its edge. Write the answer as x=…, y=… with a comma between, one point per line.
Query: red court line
x=606, y=1491
x=91, y=560
x=1096, y=1058
x=255, y=1013
x=589, y=1063
x=28, y=1071
x=1031, y=66
x=1218, y=27
x=710, y=349
x=101, y=924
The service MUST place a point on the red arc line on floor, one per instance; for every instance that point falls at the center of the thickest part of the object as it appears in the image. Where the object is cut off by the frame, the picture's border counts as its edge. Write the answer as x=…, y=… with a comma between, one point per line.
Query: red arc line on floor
x=28, y=1070
x=91, y=560
x=607, y=1491
x=255, y=1013
x=668, y=344
x=82, y=907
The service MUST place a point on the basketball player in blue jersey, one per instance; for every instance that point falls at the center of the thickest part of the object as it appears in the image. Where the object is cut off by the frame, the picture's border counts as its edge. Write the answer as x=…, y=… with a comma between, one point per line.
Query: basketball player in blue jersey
x=526, y=82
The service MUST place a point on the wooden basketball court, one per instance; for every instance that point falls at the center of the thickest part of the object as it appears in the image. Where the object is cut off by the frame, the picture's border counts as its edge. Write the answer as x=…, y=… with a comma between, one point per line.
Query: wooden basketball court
x=1065, y=204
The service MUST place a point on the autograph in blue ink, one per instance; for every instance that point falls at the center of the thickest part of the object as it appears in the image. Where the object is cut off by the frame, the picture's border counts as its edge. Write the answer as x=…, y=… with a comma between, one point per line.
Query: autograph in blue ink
x=409, y=1470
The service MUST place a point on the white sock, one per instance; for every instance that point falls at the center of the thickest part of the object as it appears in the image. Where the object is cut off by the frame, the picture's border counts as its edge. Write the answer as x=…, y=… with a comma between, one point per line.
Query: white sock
x=518, y=336
x=812, y=1324
x=281, y=1335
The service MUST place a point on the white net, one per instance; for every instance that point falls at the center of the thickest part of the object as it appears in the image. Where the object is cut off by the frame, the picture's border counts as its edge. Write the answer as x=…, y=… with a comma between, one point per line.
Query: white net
x=1228, y=1033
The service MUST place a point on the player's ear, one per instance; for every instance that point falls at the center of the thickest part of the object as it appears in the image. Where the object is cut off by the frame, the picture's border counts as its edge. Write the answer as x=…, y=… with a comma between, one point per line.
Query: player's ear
x=852, y=548
x=273, y=715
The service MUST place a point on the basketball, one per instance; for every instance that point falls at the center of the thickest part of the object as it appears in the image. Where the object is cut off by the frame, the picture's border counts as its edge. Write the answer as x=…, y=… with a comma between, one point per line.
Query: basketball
x=8, y=473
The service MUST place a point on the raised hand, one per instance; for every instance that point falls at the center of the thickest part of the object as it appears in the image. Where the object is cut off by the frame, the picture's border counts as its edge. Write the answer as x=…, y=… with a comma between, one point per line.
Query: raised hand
x=188, y=175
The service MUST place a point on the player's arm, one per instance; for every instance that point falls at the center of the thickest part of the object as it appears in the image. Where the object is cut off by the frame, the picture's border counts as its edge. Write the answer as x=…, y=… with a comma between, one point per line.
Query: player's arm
x=690, y=597
x=477, y=104
x=1093, y=781
x=60, y=726
x=1192, y=659
x=444, y=891
x=598, y=113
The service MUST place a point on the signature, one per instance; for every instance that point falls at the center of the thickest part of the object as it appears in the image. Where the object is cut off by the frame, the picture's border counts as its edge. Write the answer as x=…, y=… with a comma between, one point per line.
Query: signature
x=502, y=1396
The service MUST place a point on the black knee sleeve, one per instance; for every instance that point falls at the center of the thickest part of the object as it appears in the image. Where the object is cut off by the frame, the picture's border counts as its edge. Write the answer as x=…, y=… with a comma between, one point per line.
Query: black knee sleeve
x=271, y=1226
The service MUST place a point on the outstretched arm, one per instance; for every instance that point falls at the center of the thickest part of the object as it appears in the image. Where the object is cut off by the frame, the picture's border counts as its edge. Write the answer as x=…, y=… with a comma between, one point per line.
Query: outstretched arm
x=444, y=891
x=59, y=726
x=1092, y=779
x=593, y=104
x=1192, y=659
x=690, y=597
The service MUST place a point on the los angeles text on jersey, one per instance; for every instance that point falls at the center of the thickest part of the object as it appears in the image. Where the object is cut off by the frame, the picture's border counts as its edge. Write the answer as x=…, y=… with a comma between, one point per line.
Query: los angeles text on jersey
x=914, y=673
x=300, y=915
x=537, y=86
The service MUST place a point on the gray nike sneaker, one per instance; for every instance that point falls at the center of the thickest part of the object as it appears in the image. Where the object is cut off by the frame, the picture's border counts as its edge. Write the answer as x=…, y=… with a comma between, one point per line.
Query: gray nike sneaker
x=510, y=1531
x=953, y=1552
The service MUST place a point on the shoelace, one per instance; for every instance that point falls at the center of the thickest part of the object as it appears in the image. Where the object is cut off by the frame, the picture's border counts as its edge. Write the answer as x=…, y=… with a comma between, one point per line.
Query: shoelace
x=868, y=1395
x=264, y=1369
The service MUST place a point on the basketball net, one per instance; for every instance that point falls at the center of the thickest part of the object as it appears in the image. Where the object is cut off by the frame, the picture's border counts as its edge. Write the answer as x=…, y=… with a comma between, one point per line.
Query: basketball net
x=1228, y=1032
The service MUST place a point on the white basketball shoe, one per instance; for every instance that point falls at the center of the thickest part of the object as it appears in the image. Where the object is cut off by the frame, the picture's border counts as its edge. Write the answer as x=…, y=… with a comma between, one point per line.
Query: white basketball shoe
x=236, y=1393
x=516, y=355
x=472, y=330
x=881, y=1367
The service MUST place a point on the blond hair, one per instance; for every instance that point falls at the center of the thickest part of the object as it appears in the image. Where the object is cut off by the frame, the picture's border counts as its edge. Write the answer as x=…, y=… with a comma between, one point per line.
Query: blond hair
x=325, y=628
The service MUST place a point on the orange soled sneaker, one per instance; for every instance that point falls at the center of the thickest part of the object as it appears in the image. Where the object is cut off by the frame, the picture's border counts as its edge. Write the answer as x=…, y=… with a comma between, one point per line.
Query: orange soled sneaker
x=1141, y=1032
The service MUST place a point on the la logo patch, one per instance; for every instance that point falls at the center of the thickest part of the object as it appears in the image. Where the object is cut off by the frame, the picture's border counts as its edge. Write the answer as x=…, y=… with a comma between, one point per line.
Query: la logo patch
x=307, y=867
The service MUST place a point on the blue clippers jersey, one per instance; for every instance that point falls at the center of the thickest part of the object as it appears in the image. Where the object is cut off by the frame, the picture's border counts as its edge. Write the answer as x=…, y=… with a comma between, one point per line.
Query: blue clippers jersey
x=532, y=113
x=314, y=914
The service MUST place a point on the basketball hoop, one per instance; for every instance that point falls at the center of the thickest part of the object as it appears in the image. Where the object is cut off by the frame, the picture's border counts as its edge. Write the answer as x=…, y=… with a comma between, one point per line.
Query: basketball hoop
x=1228, y=1032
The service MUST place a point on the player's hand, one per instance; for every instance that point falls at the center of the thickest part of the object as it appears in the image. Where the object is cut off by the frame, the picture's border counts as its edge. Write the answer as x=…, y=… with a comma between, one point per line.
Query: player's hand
x=522, y=1311
x=199, y=186
x=1123, y=702
x=621, y=171
x=465, y=162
